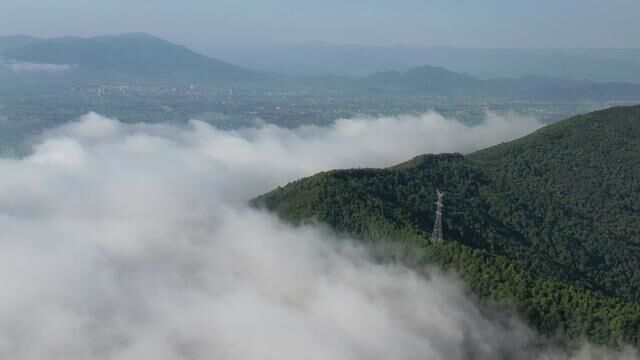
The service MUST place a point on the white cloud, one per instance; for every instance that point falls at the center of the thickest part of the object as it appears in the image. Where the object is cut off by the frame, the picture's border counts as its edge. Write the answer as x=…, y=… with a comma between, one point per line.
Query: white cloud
x=133, y=242
x=360, y=142
x=29, y=67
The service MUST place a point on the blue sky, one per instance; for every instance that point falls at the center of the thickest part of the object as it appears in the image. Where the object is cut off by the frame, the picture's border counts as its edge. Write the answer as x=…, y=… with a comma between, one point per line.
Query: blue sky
x=480, y=23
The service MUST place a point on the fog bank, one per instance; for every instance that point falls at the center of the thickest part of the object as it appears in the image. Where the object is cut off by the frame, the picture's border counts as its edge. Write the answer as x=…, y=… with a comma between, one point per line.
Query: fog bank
x=134, y=242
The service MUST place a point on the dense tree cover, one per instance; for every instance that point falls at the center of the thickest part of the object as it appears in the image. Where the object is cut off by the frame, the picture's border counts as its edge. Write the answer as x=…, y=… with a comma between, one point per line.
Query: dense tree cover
x=550, y=222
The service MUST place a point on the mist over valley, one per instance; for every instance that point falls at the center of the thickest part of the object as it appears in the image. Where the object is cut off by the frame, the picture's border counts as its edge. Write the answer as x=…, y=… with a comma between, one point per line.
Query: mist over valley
x=319, y=180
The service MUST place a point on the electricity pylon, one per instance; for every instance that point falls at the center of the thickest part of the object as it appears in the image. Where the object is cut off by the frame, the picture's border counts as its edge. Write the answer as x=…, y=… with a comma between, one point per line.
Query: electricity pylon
x=436, y=236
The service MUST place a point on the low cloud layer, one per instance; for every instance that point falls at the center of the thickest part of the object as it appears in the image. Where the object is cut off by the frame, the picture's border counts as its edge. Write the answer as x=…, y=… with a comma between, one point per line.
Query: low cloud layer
x=363, y=142
x=29, y=67
x=134, y=242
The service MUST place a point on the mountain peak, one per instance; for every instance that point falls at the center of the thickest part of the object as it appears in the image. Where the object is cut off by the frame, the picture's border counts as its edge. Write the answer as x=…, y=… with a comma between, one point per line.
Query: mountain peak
x=129, y=36
x=133, y=57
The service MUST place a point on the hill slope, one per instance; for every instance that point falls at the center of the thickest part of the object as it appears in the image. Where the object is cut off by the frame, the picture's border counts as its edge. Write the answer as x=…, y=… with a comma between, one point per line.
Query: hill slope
x=601, y=65
x=16, y=41
x=426, y=79
x=433, y=80
x=129, y=57
x=550, y=222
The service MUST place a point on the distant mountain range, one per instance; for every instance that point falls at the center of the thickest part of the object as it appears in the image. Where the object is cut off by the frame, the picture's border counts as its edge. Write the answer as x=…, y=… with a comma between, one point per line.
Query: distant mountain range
x=142, y=58
x=438, y=81
x=125, y=58
x=424, y=79
x=314, y=58
x=549, y=223
x=15, y=41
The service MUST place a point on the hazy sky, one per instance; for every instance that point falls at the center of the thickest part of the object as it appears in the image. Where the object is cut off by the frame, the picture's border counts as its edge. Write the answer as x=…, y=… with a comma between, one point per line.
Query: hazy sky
x=202, y=23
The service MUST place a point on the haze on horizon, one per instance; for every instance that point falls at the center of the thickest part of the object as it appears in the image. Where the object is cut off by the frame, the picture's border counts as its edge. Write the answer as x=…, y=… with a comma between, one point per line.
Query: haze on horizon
x=133, y=225
x=205, y=24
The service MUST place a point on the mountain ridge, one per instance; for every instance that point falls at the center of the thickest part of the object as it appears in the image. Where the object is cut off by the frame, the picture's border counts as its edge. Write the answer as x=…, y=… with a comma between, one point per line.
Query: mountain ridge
x=16, y=41
x=434, y=80
x=557, y=207
x=143, y=58
x=602, y=65
x=132, y=57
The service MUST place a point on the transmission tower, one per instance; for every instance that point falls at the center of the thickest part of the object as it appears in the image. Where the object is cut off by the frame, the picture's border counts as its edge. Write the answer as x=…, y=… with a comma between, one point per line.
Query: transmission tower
x=436, y=236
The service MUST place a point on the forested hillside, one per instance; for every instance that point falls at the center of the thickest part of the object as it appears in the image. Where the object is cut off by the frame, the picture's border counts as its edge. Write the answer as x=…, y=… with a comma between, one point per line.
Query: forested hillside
x=549, y=223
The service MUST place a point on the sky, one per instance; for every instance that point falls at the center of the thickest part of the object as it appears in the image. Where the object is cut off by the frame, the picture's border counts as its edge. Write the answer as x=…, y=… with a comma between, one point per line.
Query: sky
x=464, y=23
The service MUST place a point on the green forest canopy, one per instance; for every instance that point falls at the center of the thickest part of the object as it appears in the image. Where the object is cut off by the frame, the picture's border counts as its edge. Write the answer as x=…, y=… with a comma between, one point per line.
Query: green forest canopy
x=549, y=223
